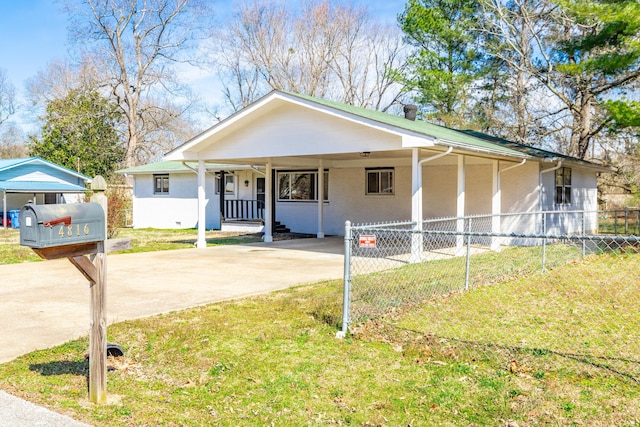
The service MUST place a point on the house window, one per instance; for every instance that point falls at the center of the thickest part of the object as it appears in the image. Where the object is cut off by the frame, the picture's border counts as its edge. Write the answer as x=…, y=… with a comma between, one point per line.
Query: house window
x=50, y=198
x=563, y=186
x=301, y=185
x=380, y=181
x=161, y=184
x=229, y=184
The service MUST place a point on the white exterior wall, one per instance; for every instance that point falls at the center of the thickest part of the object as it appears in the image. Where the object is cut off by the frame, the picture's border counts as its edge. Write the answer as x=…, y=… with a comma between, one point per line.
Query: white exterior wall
x=519, y=190
x=584, y=197
x=178, y=209
x=348, y=201
x=439, y=191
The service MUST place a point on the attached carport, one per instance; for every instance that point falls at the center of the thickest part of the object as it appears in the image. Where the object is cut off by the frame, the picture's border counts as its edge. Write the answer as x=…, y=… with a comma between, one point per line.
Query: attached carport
x=289, y=131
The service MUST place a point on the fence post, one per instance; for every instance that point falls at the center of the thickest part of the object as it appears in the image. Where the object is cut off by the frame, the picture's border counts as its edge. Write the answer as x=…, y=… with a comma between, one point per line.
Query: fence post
x=584, y=232
x=544, y=240
x=626, y=221
x=347, y=280
x=467, y=262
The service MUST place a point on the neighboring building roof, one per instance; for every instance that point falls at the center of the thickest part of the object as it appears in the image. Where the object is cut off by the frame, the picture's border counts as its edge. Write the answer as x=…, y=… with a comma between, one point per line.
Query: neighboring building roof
x=63, y=180
x=6, y=164
x=172, y=166
x=40, y=187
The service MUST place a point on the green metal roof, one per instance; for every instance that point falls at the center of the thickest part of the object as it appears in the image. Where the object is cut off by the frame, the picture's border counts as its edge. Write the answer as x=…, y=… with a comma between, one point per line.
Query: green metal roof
x=447, y=135
x=159, y=167
x=172, y=167
x=464, y=139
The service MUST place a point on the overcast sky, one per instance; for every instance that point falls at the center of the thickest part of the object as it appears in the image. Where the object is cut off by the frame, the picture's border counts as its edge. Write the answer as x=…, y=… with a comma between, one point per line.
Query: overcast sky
x=34, y=32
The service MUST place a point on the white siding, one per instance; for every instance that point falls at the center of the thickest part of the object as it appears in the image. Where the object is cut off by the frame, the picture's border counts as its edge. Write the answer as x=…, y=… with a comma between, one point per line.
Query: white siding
x=294, y=131
x=584, y=197
x=178, y=209
x=348, y=201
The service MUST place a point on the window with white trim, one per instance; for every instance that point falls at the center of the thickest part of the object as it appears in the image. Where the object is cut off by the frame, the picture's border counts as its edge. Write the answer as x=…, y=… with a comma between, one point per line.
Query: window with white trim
x=563, y=186
x=301, y=185
x=161, y=184
x=229, y=184
x=380, y=181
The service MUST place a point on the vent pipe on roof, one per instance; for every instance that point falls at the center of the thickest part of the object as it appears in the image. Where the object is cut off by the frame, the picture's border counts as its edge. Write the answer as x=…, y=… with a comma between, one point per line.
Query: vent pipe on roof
x=410, y=112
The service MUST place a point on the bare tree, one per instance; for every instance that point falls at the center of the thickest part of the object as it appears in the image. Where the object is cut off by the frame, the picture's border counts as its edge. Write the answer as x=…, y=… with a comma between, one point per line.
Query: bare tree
x=7, y=97
x=138, y=43
x=12, y=142
x=323, y=49
x=58, y=78
x=510, y=30
x=583, y=54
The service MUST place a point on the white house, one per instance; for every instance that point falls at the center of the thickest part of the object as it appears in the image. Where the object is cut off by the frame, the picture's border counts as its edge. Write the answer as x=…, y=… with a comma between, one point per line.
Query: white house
x=280, y=156
x=39, y=181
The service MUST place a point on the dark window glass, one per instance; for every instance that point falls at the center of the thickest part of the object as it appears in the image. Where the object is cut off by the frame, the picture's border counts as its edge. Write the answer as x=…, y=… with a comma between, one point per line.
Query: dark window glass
x=161, y=184
x=563, y=186
x=301, y=186
x=380, y=181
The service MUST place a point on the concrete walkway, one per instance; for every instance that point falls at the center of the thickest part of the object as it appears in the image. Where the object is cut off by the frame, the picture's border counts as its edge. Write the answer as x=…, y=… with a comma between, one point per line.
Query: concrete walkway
x=44, y=304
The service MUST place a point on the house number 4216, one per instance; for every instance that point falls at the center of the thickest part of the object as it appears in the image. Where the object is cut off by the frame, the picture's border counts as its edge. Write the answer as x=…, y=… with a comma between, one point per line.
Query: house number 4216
x=69, y=230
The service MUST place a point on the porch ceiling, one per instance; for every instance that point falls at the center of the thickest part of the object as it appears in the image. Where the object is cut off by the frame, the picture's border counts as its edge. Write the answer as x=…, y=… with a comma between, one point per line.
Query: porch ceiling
x=372, y=159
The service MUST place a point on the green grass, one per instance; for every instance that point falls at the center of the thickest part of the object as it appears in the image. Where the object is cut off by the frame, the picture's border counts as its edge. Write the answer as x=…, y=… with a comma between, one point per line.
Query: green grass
x=619, y=226
x=274, y=360
x=375, y=293
x=142, y=240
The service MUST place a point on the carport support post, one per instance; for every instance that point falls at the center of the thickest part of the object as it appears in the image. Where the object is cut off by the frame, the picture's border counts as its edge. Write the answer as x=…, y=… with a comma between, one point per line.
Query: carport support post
x=268, y=203
x=496, y=205
x=417, y=246
x=320, y=234
x=201, y=243
x=460, y=206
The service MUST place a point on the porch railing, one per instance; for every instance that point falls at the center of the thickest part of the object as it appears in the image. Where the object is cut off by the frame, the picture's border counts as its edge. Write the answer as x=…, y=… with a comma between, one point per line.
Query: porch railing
x=243, y=210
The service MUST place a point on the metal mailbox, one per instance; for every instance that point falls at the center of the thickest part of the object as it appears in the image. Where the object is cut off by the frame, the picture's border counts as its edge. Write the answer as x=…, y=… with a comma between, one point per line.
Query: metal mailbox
x=44, y=226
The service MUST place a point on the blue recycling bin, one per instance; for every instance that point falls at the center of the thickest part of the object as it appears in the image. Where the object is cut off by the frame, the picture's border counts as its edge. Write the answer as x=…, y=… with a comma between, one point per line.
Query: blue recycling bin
x=13, y=217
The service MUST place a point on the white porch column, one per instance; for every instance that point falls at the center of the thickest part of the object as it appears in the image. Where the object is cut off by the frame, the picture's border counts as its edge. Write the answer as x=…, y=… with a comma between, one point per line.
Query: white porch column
x=496, y=204
x=417, y=246
x=202, y=204
x=268, y=203
x=460, y=205
x=321, y=200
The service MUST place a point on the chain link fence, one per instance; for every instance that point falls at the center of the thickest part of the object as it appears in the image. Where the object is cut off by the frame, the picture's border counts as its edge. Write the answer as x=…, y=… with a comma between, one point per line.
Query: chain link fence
x=534, y=283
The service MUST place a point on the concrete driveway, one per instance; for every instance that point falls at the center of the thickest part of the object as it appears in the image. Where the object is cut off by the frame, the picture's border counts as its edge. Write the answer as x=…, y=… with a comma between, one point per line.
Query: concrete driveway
x=46, y=303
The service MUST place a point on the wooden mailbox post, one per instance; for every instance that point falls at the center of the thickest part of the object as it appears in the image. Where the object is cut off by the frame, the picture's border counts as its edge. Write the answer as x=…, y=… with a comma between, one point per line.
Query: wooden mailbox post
x=77, y=232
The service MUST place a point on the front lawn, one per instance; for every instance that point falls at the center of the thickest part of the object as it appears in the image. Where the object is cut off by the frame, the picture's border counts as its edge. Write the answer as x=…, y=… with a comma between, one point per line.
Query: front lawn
x=274, y=360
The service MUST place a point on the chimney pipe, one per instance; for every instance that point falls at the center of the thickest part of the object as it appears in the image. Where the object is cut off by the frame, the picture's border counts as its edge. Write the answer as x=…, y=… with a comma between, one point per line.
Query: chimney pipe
x=410, y=112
